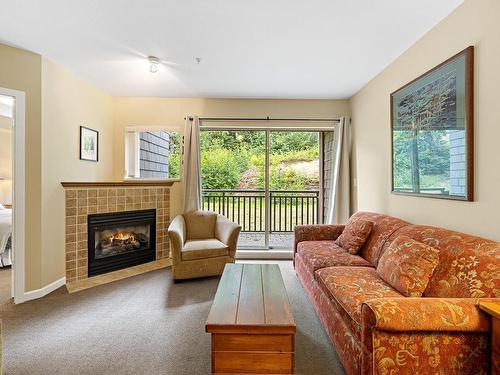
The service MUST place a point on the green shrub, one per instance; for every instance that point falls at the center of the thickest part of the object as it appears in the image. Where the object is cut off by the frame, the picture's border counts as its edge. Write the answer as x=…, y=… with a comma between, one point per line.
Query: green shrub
x=219, y=169
x=174, y=164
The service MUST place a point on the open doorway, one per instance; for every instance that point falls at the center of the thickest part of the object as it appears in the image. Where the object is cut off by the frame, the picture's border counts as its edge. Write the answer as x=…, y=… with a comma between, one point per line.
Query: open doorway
x=6, y=195
x=12, y=196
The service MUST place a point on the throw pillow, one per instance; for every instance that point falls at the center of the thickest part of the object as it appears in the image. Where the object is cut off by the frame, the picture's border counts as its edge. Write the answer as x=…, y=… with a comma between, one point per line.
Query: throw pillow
x=407, y=265
x=354, y=235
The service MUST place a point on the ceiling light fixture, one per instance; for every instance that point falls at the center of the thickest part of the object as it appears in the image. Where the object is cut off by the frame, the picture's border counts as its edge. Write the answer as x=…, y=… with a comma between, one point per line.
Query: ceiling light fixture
x=154, y=62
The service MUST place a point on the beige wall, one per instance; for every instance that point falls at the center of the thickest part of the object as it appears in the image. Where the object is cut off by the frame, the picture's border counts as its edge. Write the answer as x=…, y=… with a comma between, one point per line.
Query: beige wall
x=68, y=103
x=473, y=23
x=21, y=70
x=170, y=112
x=6, y=160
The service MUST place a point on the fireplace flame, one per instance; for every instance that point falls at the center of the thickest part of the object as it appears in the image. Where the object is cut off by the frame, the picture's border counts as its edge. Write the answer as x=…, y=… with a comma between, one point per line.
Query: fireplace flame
x=123, y=236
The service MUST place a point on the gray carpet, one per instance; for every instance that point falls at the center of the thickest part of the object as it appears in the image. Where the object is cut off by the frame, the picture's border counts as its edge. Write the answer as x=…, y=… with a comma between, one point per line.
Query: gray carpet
x=141, y=325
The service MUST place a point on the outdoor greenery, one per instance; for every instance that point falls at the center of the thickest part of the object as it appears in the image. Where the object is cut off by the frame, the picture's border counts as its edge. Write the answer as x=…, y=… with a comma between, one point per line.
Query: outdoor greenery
x=174, y=160
x=433, y=159
x=236, y=159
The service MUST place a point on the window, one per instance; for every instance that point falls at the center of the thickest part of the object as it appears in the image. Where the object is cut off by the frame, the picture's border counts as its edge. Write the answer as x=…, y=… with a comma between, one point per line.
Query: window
x=152, y=154
x=266, y=180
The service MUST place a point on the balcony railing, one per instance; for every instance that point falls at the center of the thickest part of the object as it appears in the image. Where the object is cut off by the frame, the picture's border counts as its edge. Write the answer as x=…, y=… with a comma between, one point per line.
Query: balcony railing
x=247, y=208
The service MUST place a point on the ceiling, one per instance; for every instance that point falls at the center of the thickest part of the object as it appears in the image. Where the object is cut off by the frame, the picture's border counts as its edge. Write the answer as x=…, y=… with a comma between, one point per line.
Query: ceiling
x=252, y=49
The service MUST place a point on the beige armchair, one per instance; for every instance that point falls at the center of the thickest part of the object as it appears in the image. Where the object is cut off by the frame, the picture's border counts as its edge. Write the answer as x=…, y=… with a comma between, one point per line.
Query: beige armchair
x=202, y=242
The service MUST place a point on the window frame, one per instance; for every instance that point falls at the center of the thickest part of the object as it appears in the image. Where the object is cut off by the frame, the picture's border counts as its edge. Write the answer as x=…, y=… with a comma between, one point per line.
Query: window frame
x=139, y=129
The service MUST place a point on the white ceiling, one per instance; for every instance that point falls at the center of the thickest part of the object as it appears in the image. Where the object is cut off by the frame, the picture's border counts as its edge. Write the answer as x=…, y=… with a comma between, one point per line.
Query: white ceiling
x=260, y=48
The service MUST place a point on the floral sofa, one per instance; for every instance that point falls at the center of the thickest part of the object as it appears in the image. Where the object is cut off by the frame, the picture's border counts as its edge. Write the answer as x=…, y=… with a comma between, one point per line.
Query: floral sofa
x=376, y=329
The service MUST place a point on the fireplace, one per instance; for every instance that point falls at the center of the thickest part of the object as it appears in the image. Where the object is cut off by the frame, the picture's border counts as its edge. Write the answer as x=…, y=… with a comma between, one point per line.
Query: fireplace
x=120, y=240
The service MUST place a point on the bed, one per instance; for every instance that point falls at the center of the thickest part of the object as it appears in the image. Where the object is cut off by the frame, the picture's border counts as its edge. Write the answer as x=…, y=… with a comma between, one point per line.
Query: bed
x=5, y=236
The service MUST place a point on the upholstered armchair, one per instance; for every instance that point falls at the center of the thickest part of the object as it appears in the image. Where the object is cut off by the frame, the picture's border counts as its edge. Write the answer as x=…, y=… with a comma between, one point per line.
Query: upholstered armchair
x=202, y=242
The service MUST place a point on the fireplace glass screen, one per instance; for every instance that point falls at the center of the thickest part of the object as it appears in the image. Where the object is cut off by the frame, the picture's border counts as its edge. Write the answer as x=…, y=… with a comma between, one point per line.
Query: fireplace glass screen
x=109, y=242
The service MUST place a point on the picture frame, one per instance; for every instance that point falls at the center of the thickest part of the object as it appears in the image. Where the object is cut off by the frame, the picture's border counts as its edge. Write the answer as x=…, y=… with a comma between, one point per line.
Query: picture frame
x=89, y=144
x=432, y=132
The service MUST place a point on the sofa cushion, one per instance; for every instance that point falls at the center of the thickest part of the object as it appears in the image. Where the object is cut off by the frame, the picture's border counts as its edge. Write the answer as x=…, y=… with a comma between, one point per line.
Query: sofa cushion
x=407, y=265
x=200, y=224
x=350, y=287
x=354, y=235
x=201, y=249
x=469, y=266
x=320, y=254
x=384, y=227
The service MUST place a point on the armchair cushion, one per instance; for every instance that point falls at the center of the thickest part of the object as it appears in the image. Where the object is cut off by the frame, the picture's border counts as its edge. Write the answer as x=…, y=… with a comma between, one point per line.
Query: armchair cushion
x=355, y=234
x=407, y=266
x=201, y=249
x=321, y=254
x=200, y=224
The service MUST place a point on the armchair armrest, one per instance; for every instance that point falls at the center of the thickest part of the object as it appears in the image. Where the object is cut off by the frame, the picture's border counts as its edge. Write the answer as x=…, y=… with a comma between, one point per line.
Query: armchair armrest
x=227, y=232
x=425, y=314
x=316, y=233
x=177, y=235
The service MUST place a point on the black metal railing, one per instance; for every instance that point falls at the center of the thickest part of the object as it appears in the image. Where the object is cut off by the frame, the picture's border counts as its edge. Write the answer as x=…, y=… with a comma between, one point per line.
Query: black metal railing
x=248, y=208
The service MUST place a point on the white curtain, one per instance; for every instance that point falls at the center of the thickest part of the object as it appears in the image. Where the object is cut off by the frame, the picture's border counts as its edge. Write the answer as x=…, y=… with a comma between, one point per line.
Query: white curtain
x=339, y=194
x=191, y=171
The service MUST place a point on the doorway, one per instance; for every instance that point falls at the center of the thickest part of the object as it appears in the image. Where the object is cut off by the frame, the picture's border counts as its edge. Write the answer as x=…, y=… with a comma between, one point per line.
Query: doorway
x=267, y=180
x=6, y=177
x=12, y=146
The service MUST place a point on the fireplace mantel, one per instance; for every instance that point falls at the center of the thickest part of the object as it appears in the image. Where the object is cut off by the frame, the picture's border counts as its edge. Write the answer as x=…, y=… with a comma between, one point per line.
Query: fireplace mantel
x=125, y=183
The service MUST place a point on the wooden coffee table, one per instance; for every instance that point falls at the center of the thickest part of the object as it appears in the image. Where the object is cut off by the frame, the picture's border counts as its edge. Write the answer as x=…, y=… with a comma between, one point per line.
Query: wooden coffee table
x=251, y=322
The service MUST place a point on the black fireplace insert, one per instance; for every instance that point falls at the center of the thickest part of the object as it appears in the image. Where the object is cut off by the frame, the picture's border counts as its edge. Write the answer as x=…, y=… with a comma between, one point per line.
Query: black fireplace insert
x=120, y=240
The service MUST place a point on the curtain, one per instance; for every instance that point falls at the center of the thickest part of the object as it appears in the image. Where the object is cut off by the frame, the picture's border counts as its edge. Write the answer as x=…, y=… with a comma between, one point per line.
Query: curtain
x=191, y=171
x=339, y=193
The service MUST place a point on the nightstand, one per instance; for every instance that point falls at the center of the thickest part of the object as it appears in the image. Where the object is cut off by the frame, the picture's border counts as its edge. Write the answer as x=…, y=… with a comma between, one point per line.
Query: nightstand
x=493, y=309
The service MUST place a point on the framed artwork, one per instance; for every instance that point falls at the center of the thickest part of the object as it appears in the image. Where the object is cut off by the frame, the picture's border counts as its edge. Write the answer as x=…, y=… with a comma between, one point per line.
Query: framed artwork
x=89, y=144
x=432, y=132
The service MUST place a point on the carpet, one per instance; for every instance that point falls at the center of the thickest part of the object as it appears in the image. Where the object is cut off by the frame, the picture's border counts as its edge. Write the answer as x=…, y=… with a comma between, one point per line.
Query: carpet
x=141, y=325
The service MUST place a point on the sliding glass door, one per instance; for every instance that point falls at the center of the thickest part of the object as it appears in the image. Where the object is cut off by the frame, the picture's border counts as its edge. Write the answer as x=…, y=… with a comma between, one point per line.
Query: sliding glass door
x=268, y=181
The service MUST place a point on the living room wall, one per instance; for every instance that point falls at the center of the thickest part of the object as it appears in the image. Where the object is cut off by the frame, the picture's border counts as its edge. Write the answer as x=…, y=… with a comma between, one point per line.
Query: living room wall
x=21, y=70
x=68, y=102
x=170, y=112
x=475, y=22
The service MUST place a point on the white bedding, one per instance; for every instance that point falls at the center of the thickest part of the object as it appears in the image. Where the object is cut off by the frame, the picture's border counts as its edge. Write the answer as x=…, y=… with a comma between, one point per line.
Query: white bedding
x=5, y=227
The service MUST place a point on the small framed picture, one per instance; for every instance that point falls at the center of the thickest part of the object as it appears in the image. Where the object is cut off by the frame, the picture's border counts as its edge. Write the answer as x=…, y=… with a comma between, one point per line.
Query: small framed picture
x=89, y=144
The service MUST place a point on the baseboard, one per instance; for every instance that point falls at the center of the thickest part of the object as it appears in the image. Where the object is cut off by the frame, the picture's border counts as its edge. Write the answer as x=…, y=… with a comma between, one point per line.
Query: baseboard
x=39, y=293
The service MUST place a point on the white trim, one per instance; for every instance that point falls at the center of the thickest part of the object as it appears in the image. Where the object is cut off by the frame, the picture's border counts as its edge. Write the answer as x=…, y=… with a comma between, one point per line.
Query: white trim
x=39, y=293
x=264, y=254
x=18, y=194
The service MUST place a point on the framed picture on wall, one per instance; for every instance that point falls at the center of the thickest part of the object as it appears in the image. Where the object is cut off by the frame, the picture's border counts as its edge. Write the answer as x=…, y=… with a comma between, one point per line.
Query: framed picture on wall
x=432, y=132
x=89, y=144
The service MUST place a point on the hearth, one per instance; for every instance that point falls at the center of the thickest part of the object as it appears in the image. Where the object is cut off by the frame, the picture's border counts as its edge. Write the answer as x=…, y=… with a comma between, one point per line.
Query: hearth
x=120, y=240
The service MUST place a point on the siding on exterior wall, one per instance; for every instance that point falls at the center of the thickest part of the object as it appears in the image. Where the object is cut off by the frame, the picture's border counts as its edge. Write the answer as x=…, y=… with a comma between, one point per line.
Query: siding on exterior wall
x=328, y=160
x=154, y=150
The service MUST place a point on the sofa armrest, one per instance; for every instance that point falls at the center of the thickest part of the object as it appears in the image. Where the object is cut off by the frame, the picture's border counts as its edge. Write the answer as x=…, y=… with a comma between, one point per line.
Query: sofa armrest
x=177, y=235
x=316, y=233
x=425, y=314
x=227, y=232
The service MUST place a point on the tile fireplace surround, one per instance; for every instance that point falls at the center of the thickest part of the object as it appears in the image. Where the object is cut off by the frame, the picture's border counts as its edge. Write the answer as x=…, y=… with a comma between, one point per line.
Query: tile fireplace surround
x=87, y=198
